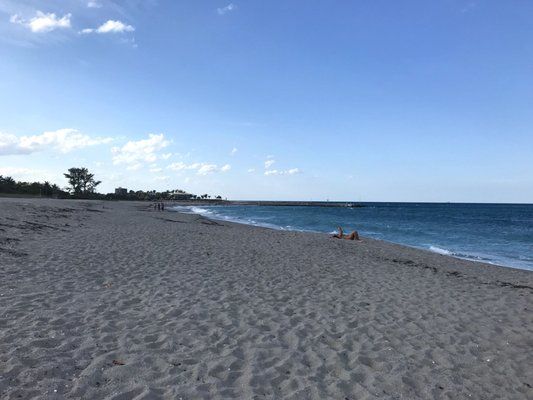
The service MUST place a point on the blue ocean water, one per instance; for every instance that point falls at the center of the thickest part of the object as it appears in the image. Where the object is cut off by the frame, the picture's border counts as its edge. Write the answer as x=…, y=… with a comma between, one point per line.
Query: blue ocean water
x=494, y=233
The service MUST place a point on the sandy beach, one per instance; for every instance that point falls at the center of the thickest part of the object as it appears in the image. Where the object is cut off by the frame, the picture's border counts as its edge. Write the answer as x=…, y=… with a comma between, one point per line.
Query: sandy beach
x=113, y=300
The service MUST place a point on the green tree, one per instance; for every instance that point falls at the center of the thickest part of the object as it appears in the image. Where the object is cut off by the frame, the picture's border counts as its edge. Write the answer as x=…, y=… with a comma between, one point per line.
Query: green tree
x=7, y=184
x=81, y=181
x=46, y=189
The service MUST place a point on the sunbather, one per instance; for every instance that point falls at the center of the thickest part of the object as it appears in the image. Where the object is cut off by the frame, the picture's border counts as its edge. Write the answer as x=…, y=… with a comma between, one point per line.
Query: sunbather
x=352, y=236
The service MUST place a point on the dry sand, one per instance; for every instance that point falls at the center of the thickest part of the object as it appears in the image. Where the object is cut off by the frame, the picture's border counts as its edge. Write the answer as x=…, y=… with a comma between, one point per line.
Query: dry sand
x=102, y=300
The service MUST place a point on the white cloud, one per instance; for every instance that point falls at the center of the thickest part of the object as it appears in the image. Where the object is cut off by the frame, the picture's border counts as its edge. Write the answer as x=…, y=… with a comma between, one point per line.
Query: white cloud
x=292, y=171
x=26, y=174
x=94, y=4
x=140, y=151
x=226, y=9
x=9, y=144
x=251, y=170
x=161, y=178
x=63, y=140
x=110, y=27
x=166, y=156
x=201, y=168
x=156, y=169
x=233, y=151
x=269, y=163
x=268, y=172
x=43, y=22
x=207, y=169
x=115, y=26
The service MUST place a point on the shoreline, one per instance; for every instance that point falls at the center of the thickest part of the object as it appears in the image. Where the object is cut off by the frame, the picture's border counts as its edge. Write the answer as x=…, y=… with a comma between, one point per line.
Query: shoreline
x=104, y=299
x=279, y=228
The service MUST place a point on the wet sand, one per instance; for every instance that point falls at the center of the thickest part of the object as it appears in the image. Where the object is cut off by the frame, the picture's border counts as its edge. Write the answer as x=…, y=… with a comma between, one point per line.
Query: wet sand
x=113, y=300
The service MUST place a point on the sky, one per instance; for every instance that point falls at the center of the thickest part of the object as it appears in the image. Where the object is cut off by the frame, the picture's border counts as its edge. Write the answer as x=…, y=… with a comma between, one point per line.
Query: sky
x=380, y=100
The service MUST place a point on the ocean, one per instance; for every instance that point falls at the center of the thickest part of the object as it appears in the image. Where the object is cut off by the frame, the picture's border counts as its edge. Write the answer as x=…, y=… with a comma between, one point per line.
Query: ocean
x=499, y=234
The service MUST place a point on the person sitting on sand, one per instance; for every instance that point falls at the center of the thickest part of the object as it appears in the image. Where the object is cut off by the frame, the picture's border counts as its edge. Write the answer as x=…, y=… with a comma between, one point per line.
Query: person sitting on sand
x=352, y=236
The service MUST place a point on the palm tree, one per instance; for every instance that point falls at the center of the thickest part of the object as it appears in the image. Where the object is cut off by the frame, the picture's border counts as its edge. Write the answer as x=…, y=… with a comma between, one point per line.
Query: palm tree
x=7, y=184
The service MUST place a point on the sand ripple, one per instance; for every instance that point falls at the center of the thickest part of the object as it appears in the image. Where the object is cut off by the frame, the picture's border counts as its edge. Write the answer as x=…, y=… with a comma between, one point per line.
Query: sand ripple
x=116, y=301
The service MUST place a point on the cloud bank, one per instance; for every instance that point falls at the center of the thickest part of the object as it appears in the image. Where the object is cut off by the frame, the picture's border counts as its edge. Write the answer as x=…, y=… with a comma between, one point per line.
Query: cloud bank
x=43, y=22
x=48, y=22
x=30, y=174
x=292, y=171
x=110, y=27
x=140, y=151
x=63, y=140
x=200, y=168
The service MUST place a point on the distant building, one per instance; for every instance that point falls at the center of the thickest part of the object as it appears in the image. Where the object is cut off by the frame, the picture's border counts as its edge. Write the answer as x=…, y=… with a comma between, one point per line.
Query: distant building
x=121, y=191
x=180, y=196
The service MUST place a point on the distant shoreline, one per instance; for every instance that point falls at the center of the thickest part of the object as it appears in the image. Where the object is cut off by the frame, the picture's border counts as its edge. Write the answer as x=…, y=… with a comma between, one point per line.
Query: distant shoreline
x=298, y=203
x=270, y=203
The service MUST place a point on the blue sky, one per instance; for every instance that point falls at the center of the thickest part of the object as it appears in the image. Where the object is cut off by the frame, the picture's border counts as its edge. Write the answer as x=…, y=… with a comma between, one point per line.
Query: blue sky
x=377, y=100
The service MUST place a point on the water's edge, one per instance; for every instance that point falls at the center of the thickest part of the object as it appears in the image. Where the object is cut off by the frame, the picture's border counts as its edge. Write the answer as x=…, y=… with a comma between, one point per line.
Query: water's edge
x=312, y=219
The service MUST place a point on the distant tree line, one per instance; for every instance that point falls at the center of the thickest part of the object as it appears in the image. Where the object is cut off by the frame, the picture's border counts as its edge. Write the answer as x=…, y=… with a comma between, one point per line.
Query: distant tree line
x=155, y=195
x=10, y=186
x=83, y=185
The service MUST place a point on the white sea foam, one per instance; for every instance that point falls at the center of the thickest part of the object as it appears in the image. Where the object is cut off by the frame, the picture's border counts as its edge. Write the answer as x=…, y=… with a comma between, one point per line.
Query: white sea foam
x=192, y=210
x=199, y=210
x=436, y=249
